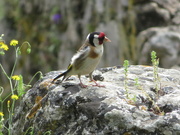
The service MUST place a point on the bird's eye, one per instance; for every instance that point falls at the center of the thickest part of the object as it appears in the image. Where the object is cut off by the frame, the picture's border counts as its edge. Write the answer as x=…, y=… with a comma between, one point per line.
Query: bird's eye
x=101, y=38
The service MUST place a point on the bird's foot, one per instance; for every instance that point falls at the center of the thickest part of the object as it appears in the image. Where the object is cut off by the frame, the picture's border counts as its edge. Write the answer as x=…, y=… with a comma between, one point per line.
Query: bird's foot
x=82, y=85
x=96, y=84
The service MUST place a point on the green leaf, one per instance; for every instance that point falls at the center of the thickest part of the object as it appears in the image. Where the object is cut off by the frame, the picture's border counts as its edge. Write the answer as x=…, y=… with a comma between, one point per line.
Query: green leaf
x=126, y=63
x=20, y=87
x=153, y=56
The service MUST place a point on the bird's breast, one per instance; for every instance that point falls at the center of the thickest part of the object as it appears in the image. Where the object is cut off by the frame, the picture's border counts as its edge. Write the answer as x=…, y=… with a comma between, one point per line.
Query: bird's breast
x=88, y=65
x=92, y=60
x=85, y=64
x=96, y=52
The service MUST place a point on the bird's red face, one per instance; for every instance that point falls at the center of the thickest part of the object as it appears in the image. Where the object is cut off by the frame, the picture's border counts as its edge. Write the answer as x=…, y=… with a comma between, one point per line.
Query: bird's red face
x=101, y=38
x=97, y=38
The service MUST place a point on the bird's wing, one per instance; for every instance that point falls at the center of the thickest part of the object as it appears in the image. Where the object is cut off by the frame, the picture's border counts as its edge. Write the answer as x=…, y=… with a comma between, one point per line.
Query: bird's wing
x=84, y=46
x=79, y=57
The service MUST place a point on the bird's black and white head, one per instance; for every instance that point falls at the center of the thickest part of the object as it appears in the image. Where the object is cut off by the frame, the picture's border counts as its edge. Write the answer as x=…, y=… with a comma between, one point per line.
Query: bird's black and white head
x=97, y=38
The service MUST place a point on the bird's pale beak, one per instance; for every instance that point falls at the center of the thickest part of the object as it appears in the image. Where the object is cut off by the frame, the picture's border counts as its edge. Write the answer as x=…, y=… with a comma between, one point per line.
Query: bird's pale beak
x=107, y=39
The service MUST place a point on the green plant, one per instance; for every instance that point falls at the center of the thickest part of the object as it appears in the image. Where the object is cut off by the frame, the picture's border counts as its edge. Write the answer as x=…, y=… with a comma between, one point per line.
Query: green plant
x=155, y=63
x=131, y=98
x=17, y=86
x=126, y=64
x=29, y=131
x=47, y=133
x=155, y=106
x=156, y=79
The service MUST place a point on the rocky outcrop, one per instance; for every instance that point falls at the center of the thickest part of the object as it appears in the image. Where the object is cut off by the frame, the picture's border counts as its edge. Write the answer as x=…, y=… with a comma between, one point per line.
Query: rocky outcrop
x=159, y=26
x=134, y=107
x=165, y=41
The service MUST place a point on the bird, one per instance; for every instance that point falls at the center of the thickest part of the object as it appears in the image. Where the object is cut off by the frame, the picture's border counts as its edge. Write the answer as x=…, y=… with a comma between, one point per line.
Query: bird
x=86, y=59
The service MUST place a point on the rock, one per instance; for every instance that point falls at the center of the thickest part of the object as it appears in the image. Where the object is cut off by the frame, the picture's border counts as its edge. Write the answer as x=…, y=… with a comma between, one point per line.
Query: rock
x=171, y=5
x=158, y=29
x=151, y=15
x=164, y=41
x=69, y=109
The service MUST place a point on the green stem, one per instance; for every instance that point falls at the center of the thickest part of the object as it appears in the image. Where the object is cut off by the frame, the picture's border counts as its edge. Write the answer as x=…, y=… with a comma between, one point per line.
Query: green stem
x=5, y=127
x=9, y=78
x=6, y=97
x=9, y=128
x=11, y=113
x=2, y=90
x=11, y=86
x=29, y=131
x=4, y=71
x=12, y=72
x=26, y=43
x=16, y=83
x=39, y=72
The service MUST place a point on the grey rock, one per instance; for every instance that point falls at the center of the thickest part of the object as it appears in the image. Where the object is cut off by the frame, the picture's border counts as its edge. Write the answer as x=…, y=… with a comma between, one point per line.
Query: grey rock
x=164, y=41
x=158, y=27
x=150, y=15
x=171, y=5
x=69, y=109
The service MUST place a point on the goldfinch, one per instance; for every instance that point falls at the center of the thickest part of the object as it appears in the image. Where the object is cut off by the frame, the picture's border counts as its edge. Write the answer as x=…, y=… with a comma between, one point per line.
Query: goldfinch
x=87, y=58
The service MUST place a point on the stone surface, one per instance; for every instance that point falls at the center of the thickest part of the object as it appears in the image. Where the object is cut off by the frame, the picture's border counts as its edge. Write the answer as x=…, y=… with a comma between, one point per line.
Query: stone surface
x=69, y=109
x=164, y=41
x=158, y=23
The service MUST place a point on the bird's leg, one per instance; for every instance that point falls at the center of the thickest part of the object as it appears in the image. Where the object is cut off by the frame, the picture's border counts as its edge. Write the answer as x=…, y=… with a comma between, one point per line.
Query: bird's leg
x=81, y=84
x=96, y=84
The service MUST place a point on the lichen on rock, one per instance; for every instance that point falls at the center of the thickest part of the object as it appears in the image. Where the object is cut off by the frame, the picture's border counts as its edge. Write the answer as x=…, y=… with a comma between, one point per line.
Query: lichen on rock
x=67, y=108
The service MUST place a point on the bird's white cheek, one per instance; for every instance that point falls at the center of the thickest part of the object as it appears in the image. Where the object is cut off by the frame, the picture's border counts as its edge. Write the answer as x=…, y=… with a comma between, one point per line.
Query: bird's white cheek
x=96, y=42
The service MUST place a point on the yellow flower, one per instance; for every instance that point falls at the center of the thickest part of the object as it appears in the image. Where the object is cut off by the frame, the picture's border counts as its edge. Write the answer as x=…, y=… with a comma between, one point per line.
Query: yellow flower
x=3, y=46
x=13, y=42
x=1, y=114
x=15, y=77
x=14, y=97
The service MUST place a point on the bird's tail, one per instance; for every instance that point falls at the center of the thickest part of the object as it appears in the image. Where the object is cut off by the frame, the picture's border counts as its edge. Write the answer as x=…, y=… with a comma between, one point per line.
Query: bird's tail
x=63, y=74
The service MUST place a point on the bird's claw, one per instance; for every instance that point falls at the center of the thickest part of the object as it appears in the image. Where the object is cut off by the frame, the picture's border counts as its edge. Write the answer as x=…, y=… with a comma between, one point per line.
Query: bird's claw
x=96, y=84
x=83, y=85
